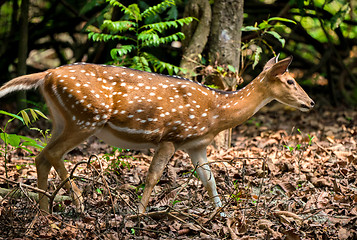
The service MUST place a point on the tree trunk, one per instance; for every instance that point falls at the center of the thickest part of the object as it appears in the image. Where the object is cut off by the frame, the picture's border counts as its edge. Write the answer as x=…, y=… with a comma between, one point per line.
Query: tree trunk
x=225, y=45
x=23, y=50
x=196, y=34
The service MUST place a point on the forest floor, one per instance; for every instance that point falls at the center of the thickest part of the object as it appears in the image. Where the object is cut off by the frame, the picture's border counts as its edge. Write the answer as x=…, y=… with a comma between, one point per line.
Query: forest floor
x=289, y=175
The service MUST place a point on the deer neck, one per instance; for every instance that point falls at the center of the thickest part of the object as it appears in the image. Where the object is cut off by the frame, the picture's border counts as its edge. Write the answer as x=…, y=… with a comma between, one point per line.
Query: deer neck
x=238, y=106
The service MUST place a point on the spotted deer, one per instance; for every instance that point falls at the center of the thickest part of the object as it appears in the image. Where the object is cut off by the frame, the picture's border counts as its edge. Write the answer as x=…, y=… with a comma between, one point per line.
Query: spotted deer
x=134, y=109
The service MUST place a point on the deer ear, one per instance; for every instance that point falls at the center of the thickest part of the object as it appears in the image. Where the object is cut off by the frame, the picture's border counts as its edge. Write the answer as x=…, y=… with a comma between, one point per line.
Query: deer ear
x=281, y=66
x=271, y=62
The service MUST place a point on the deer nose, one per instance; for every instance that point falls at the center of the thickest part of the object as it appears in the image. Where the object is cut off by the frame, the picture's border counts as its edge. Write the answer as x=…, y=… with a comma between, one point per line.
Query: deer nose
x=312, y=104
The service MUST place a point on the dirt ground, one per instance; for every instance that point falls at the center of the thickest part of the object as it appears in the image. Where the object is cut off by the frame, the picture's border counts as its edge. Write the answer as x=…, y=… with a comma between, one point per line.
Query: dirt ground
x=289, y=175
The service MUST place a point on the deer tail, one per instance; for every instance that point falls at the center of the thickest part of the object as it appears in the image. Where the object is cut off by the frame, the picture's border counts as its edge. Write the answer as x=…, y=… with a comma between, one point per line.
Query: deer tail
x=26, y=82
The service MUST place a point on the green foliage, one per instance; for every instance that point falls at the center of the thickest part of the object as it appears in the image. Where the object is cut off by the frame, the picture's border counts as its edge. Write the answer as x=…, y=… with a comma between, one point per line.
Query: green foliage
x=267, y=27
x=118, y=162
x=300, y=146
x=15, y=141
x=137, y=34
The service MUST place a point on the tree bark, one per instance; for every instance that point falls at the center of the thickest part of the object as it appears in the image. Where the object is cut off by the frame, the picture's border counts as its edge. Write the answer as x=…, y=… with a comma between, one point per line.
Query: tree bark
x=23, y=50
x=196, y=34
x=225, y=45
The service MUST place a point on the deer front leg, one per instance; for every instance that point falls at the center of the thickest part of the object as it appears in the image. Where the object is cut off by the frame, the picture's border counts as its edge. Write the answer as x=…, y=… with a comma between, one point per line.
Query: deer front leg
x=162, y=155
x=199, y=159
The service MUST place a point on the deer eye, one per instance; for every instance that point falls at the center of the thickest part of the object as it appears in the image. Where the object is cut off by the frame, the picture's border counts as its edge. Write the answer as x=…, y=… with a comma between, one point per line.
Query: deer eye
x=290, y=82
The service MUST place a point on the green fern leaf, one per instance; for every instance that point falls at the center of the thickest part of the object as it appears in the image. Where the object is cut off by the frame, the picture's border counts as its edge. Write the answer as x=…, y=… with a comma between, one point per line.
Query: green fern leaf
x=119, y=26
x=103, y=37
x=123, y=50
x=157, y=9
x=132, y=11
x=161, y=26
x=162, y=66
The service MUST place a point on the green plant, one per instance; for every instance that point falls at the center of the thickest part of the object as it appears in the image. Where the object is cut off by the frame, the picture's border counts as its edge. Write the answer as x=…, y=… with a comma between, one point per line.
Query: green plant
x=14, y=141
x=299, y=146
x=136, y=36
x=268, y=27
x=119, y=161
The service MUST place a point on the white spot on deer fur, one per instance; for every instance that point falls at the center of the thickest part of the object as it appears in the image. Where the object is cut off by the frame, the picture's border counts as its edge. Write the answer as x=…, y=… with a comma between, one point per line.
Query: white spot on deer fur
x=110, y=78
x=159, y=108
x=131, y=74
x=215, y=116
x=198, y=106
x=147, y=87
x=122, y=84
x=154, y=88
x=162, y=115
x=78, y=85
x=65, y=76
x=192, y=116
x=130, y=116
x=152, y=94
x=130, y=87
x=177, y=96
x=159, y=98
x=178, y=122
x=104, y=71
x=64, y=88
x=125, y=95
x=204, y=114
x=141, y=84
x=122, y=112
x=203, y=128
x=139, y=110
x=140, y=77
x=143, y=121
x=167, y=113
x=106, y=106
x=130, y=102
x=150, y=119
x=173, y=110
x=97, y=96
x=70, y=95
x=189, y=94
x=74, y=118
x=248, y=94
x=164, y=86
x=114, y=83
x=123, y=73
x=61, y=80
x=180, y=106
x=72, y=70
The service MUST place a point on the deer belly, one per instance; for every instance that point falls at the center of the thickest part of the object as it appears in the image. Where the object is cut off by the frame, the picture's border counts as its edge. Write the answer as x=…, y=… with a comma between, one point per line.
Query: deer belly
x=125, y=137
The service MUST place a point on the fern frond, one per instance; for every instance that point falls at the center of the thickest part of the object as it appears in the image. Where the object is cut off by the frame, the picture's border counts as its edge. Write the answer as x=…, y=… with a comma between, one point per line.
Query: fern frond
x=132, y=11
x=161, y=26
x=163, y=40
x=119, y=26
x=103, y=37
x=159, y=8
x=140, y=63
x=123, y=50
x=160, y=65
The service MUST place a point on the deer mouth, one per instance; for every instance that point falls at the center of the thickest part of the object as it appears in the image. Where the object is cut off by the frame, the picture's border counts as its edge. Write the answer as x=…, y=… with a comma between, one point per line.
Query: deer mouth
x=306, y=108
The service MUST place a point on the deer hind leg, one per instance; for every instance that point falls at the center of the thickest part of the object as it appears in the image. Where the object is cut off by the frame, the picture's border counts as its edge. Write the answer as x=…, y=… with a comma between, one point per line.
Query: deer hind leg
x=199, y=160
x=162, y=155
x=61, y=142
